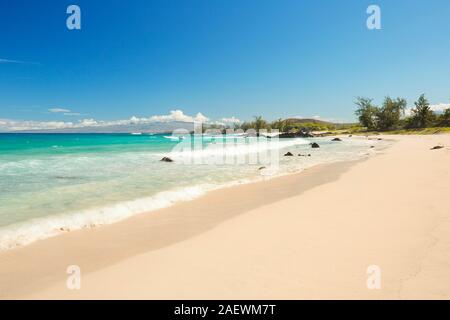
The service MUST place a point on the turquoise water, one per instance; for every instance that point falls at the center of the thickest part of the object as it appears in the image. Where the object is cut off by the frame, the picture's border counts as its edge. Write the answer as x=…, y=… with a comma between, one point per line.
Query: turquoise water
x=52, y=183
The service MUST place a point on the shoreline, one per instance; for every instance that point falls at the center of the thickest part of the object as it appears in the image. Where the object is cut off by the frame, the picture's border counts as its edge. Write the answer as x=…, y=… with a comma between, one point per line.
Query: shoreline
x=306, y=235
x=275, y=189
x=24, y=233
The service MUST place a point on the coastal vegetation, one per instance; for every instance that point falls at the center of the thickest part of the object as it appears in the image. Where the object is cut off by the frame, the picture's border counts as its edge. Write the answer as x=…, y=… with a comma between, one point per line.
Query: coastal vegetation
x=293, y=125
x=391, y=116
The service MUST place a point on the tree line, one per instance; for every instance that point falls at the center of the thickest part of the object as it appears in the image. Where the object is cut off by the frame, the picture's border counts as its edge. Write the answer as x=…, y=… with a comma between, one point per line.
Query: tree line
x=281, y=125
x=391, y=114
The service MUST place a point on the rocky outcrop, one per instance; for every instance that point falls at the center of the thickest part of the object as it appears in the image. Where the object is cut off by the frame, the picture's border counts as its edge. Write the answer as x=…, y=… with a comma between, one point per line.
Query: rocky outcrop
x=315, y=145
x=166, y=159
x=336, y=139
x=295, y=135
x=289, y=154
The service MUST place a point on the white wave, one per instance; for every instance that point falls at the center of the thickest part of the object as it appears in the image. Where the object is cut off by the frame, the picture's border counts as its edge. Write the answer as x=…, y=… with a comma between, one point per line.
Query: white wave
x=185, y=150
x=175, y=138
x=32, y=230
x=25, y=233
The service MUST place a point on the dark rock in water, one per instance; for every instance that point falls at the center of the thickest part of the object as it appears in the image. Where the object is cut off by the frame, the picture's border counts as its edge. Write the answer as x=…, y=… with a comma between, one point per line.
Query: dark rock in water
x=350, y=135
x=437, y=147
x=380, y=139
x=261, y=168
x=166, y=159
x=315, y=145
x=372, y=146
x=301, y=155
x=288, y=154
x=336, y=139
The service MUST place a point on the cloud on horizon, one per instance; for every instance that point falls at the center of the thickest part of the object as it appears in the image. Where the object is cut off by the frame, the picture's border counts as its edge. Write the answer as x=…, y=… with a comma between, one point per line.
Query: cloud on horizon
x=8, y=125
x=176, y=115
x=438, y=108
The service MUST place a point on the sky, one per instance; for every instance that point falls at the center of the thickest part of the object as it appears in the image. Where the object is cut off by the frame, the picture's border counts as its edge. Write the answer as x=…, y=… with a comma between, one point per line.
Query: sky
x=216, y=60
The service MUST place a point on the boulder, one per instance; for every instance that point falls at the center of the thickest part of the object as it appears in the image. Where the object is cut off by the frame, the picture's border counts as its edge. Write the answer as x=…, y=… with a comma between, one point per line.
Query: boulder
x=315, y=145
x=289, y=154
x=261, y=168
x=166, y=159
x=336, y=139
x=437, y=147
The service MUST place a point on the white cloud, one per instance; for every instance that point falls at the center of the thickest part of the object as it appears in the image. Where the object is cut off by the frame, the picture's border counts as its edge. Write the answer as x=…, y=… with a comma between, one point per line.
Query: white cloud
x=72, y=114
x=17, y=125
x=58, y=110
x=10, y=61
x=201, y=118
x=231, y=120
x=438, y=108
x=5, y=61
x=178, y=115
x=88, y=123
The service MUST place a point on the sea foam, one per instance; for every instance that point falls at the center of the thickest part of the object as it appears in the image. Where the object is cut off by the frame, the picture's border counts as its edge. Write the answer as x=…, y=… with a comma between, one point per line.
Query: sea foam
x=106, y=190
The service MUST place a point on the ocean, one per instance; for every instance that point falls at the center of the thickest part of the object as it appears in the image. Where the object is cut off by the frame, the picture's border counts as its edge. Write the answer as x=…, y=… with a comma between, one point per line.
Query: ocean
x=55, y=183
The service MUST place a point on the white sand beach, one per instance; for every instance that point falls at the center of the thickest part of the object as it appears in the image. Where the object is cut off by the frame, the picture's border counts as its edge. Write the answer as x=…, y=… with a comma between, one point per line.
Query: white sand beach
x=304, y=236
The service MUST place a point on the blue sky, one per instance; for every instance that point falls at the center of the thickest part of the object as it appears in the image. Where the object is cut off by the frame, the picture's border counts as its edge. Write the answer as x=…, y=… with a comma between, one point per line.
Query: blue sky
x=221, y=58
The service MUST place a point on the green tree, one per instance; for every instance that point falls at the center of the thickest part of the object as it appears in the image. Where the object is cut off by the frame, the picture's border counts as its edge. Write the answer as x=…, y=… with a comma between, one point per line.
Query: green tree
x=259, y=123
x=279, y=124
x=245, y=126
x=366, y=112
x=444, y=119
x=422, y=115
x=389, y=115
